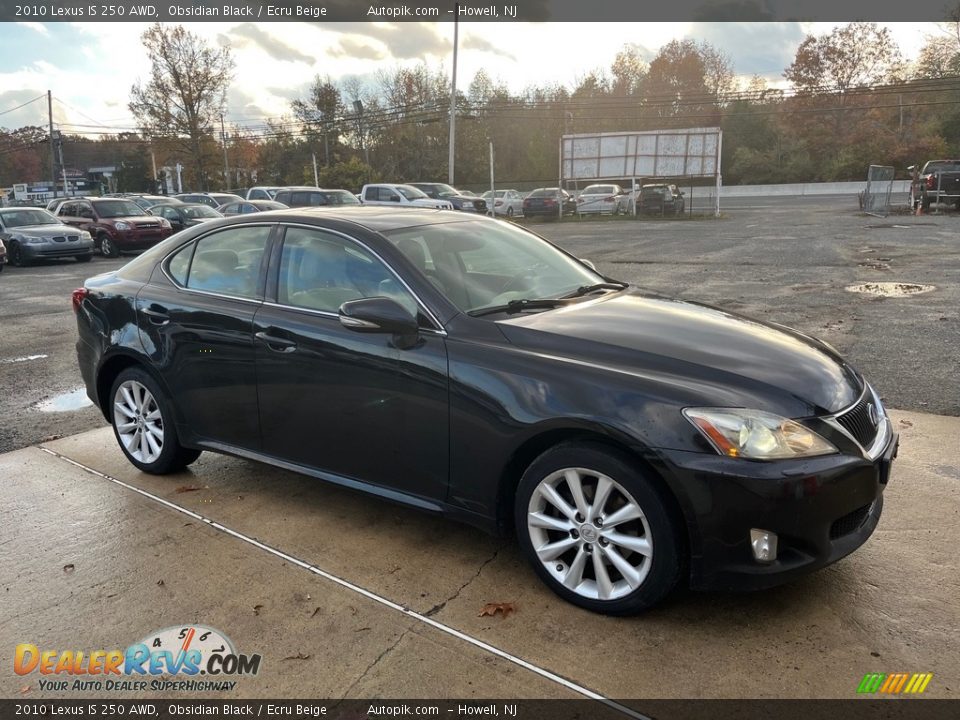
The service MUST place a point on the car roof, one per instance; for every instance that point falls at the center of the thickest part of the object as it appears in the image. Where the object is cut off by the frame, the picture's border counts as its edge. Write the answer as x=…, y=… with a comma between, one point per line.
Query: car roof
x=376, y=217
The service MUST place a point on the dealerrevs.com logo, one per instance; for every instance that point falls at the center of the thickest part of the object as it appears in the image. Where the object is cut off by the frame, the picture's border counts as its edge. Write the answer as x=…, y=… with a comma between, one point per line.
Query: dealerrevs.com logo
x=190, y=658
x=894, y=683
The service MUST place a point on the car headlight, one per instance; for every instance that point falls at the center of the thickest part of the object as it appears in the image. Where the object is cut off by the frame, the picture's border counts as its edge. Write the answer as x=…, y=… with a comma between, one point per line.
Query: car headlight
x=756, y=435
x=28, y=240
x=164, y=223
x=85, y=236
x=122, y=225
x=467, y=204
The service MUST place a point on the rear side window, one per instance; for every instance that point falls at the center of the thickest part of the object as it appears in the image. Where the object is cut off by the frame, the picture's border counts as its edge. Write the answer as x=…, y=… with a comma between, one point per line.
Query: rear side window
x=226, y=262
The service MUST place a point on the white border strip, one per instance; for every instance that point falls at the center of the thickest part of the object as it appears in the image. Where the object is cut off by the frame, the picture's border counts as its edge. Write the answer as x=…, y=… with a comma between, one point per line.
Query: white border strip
x=542, y=672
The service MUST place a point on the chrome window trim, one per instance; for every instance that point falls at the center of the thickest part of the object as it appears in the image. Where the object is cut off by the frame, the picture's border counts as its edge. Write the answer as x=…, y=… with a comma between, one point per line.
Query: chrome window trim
x=336, y=316
x=884, y=428
x=166, y=261
x=388, y=266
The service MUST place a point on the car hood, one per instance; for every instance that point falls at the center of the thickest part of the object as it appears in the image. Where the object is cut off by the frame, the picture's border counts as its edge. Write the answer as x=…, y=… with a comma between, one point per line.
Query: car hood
x=134, y=219
x=431, y=203
x=45, y=231
x=708, y=355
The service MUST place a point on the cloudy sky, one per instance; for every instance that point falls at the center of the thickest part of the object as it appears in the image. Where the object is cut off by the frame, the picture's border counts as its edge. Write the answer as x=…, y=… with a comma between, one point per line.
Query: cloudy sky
x=90, y=67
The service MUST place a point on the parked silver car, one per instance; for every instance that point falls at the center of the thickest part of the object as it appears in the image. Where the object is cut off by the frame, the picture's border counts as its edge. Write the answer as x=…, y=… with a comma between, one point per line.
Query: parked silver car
x=507, y=203
x=607, y=199
x=32, y=234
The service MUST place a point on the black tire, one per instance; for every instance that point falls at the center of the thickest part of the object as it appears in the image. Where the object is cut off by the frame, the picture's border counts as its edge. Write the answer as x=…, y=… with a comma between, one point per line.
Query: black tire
x=658, y=573
x=108, y=248
x=84, y=258
x=172, y=457
x=15, y=255
x=510, y=212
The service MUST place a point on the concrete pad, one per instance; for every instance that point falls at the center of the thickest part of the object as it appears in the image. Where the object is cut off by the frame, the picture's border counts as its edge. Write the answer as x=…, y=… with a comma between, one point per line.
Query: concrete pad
x=893, y=606
x=89, y=565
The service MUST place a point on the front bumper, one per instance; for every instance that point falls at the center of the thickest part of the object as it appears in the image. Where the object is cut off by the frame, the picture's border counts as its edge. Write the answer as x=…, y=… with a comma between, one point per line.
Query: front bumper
x=56, y=250
x=822, y=509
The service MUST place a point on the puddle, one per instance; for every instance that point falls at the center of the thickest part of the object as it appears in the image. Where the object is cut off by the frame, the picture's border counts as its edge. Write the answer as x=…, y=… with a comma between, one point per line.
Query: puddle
x=25, y=358
x=889, y=226
x=65, y=402
x=875, y=265
x=890, y=289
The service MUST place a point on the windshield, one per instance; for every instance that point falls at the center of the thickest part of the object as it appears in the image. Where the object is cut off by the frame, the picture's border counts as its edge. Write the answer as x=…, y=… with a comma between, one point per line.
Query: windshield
x=942, y=166
x=480, y=264
x=410, y=192
x=200, y=211
x=600, y=190
x=544, y=192
x=24, y=218
x=340, y=197
x=118, y=208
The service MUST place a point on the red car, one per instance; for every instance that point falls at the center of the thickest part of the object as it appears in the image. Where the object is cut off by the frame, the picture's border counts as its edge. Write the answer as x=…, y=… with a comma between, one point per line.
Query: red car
x=116, y=224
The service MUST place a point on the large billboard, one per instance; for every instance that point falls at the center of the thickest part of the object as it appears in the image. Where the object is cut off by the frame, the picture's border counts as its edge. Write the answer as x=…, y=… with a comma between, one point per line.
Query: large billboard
x=684, y=152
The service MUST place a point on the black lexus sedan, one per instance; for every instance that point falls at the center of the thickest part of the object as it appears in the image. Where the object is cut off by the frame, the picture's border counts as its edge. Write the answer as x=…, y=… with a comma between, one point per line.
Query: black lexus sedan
x=463, y=365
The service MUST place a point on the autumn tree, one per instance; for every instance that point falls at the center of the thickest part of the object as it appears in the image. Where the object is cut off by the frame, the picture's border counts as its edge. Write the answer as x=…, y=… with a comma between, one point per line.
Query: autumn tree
x=322, y=115
x=186, y=94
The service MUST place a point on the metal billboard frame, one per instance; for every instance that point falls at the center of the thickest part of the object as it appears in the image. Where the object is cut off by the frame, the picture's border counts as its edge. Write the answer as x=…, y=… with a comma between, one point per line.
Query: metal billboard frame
x=643, y=154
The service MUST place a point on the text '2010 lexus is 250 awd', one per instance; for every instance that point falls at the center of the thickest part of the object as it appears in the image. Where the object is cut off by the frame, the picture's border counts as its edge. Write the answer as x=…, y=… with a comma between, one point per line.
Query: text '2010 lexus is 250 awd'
x=466, y=366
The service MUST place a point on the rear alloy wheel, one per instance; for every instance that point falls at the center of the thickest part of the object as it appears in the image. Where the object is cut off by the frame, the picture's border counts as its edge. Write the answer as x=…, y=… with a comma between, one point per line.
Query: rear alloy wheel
x=108, y=247
x=509, y=212
x=142, y=419
x=596, y=530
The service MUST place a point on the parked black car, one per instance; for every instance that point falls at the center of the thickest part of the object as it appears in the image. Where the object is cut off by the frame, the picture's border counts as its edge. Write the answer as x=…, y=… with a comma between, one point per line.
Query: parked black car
x=247, y=207
x=661, y=199
x=545, y=201
x=463, y=365
x=214, y=200
x=182, y=215
x=32, y=234
x=459, y=200
x=314, y=197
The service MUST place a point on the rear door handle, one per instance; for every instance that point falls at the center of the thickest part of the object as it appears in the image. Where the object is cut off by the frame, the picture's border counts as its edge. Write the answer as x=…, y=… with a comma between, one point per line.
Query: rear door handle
x=277, y=344
x=157, y=317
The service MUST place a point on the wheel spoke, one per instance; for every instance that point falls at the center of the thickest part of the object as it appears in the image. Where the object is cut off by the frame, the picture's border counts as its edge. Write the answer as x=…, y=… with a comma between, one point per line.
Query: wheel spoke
x=136, y=444
x=628, y=571
x=604, y=486
x=630, y=542
x=126, y=427
x=576, y=489
x=548, y=522
x=574, y=575
x=550, y=494
x=153, y=447
x=128, y=398
x=130, y=414
x=551, y=551
x=153, y=415
x=604, y=586
x=625, y=514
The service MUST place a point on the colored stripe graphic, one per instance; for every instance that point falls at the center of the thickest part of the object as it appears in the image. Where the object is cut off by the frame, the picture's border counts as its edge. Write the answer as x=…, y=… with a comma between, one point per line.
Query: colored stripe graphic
x=895, y=683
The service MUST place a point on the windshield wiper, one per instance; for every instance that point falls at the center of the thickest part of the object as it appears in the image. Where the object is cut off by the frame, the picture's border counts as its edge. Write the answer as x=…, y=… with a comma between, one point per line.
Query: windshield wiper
x=587, y=289
x=516, y=306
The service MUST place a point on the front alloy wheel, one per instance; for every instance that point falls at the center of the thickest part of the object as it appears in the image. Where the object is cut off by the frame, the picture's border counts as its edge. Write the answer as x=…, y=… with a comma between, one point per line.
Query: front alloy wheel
x=108, y=247
x=142, y=419
x=596, y=530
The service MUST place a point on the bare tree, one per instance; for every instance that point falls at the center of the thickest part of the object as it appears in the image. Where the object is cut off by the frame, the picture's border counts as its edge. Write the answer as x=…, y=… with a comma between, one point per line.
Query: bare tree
x=186, y=93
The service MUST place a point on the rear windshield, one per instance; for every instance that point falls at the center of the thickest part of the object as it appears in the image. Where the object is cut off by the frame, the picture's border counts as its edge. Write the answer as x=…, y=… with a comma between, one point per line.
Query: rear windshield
x=544, y=192
x=942, y=166
x=600, y=190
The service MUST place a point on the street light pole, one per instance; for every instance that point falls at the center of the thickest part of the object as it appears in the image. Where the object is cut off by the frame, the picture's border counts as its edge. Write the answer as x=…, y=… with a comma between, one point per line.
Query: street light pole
x=453, y=97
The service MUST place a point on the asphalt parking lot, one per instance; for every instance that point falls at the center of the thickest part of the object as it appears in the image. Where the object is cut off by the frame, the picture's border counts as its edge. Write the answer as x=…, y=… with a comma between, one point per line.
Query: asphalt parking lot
x=345, y=597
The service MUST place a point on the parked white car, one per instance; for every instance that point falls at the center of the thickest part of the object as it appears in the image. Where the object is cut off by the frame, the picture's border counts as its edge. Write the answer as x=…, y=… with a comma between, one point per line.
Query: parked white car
x=508, y=203
x=402, y=195
x=605, y=199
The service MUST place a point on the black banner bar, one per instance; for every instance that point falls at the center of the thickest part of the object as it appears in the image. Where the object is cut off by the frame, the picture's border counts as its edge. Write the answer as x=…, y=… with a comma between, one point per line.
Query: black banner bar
x=857, y=709
x=479, y=11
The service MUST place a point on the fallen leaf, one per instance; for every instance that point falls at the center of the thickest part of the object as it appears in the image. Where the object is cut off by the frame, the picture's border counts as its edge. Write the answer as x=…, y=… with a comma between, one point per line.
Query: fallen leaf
x=69, y=568
x=491, y=609
x=314, y=613
x=160, y=583
x=256, y=609
x=353, y=610
x=298, y=656
x=25, y=689
x=187, y=488
x=361, y=629
x=906, y=423
x=875, y=654
x=48, y=438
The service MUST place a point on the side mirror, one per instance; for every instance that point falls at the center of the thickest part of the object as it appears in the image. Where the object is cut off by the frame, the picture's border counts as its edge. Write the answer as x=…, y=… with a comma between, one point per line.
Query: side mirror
x=377, y=315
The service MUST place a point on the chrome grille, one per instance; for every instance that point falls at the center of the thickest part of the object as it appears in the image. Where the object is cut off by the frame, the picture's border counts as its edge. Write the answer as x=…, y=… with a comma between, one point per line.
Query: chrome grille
x=59, y=238
x=857, y=420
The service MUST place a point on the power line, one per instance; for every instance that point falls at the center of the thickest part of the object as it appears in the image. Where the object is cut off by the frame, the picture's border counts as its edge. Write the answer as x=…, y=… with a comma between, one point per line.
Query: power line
x=38, y=97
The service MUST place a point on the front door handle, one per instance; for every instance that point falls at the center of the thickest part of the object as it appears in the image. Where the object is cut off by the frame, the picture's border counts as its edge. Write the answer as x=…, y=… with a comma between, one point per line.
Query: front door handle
x=277, y=344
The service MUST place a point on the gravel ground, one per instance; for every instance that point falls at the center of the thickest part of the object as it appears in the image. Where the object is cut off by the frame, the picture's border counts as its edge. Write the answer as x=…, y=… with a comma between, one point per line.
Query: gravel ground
x=786, y=261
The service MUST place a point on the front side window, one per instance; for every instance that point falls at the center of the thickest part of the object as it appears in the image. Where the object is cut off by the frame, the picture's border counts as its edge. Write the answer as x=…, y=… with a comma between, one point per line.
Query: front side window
x=227, y=262
x=321, y=271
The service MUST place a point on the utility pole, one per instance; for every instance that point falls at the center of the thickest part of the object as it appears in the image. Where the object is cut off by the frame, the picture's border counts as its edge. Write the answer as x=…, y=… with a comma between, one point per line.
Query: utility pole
x=493, y=190
x=453, y=96
x=358, y=109
x=153, y=163
x=53, y=162
x=226, y=168
x=316, y=178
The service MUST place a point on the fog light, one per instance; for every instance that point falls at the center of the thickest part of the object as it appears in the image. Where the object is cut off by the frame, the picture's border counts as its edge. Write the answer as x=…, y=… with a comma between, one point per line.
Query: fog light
x=764, y=545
